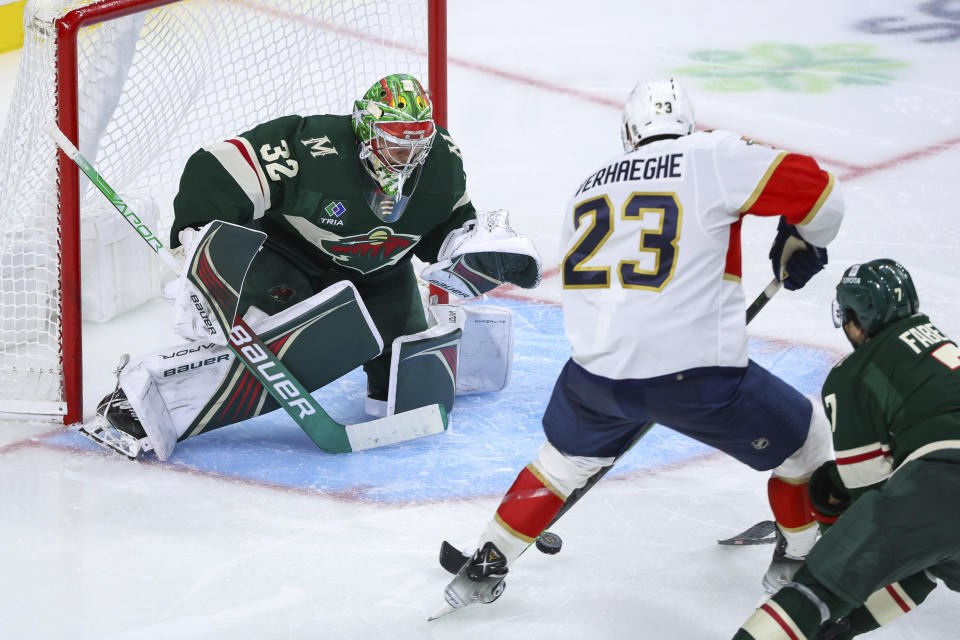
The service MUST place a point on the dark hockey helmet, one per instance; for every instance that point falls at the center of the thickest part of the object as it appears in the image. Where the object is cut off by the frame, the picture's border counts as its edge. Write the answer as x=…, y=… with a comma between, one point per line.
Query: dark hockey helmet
x=877, y=293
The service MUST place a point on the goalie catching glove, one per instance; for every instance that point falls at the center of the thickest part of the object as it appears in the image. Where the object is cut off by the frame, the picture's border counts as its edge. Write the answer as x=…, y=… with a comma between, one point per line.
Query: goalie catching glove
x=482, y=255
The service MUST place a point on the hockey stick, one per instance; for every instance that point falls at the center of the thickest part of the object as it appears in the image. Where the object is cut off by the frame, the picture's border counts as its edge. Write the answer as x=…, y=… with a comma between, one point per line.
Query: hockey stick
x=764, y=532
x=260, y=360
x=451, y=558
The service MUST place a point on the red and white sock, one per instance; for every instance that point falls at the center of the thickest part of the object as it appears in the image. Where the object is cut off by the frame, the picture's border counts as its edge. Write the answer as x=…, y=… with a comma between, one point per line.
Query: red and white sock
x=791, y=508
x=536, y=496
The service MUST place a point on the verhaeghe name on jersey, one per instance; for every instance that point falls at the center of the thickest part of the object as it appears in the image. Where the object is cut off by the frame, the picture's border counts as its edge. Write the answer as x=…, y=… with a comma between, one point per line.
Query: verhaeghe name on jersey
x=665, y=167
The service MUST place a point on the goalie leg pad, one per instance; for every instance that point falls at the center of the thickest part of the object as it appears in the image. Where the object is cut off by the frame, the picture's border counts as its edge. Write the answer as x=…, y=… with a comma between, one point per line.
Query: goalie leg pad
x=423, y=369
x=486, y=347
x=144, y=396
x=186, y=390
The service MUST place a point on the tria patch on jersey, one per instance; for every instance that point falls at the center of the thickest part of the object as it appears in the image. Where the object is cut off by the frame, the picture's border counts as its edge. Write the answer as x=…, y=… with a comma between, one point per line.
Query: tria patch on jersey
x=335, y=209
x=369, y=252
x=333, y=213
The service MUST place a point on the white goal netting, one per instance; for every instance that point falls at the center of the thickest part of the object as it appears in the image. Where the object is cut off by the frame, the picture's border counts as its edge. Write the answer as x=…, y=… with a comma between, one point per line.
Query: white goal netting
x=152, y=88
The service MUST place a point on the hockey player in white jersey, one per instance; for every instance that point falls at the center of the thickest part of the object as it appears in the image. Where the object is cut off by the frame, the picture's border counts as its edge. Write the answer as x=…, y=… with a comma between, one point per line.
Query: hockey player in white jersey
x=654, y=310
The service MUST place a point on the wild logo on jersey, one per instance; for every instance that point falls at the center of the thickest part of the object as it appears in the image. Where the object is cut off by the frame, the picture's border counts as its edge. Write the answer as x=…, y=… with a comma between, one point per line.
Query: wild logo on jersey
x=281, y=293
x=369, y=252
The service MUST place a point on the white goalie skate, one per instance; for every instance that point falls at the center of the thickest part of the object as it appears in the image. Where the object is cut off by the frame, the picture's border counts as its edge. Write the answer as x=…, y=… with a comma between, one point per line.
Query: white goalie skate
x=115, y=426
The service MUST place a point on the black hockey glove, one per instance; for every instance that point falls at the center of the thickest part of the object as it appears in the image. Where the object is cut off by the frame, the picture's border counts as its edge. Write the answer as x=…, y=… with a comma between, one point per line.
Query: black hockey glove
x=794, y=259
x=828, y=496
x=515, y=268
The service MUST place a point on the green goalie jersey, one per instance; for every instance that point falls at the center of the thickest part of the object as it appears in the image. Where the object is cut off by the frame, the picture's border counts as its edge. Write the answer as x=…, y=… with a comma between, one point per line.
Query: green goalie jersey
x=299, y=180
x=892, y=400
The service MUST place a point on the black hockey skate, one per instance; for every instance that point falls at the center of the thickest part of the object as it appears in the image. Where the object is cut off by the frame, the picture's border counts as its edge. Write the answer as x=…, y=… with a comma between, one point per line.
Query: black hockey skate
x=116, y=426
x=782, y=567
x=479, y=580
x=120, y=414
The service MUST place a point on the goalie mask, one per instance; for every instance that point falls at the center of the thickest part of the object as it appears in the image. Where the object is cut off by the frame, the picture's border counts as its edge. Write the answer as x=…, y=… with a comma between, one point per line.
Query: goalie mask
x=394, y=124
x=877, y=293
x=656, y=108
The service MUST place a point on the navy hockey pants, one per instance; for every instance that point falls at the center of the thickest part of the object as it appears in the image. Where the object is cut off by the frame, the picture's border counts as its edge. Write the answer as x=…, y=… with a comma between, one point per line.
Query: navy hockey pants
x=748, y=413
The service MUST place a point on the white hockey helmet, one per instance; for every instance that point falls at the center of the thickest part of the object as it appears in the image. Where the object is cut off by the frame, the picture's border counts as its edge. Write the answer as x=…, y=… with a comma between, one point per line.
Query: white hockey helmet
x=656, y=108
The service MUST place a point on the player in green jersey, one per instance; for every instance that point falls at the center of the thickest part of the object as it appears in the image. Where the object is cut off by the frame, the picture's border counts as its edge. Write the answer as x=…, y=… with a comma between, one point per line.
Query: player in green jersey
x=341, y=198
x=889, y=499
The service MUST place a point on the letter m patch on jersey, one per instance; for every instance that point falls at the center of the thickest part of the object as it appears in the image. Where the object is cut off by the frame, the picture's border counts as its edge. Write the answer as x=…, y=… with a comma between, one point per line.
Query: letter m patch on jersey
x=320, y=147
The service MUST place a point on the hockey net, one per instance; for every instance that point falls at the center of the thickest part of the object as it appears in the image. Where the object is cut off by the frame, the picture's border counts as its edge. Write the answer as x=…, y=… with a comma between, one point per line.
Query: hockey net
x=141, y=84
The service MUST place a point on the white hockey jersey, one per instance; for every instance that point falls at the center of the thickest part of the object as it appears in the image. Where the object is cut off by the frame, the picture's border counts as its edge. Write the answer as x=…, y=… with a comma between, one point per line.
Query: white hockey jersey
x=651, y=249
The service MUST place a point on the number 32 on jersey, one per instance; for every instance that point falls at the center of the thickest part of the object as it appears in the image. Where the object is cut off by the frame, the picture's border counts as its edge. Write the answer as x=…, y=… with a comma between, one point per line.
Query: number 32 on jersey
x=660, y=241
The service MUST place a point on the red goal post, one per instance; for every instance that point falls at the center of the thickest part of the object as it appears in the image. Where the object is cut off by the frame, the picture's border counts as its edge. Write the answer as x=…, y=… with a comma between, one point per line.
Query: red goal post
x=138, y=85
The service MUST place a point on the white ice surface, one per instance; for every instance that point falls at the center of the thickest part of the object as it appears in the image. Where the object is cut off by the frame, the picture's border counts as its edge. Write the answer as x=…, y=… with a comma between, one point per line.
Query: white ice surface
x=93, y=546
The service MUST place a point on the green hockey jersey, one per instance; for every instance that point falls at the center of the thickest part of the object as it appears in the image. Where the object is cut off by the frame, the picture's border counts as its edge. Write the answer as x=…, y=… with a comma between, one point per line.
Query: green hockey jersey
x=300, y=180
x=892, y=400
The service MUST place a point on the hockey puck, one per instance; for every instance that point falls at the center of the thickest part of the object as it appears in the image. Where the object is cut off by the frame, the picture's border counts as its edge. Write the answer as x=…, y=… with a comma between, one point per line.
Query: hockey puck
x=549, y=543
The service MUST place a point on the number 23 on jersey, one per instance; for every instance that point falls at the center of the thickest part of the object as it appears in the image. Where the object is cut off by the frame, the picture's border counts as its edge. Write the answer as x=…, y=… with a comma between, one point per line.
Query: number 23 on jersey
x=579, y=270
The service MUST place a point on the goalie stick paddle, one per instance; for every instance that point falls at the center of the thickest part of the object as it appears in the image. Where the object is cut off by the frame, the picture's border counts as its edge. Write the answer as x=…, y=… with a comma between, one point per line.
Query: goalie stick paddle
x=451, y=558
x=324, y=431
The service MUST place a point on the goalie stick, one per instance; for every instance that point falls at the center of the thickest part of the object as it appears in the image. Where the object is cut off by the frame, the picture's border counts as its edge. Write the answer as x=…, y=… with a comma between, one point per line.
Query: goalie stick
x=324, y=431
x=451, y=558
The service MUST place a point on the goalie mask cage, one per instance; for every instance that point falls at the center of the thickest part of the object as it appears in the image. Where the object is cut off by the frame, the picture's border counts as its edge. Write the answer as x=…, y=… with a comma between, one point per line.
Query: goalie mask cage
x=139, y=85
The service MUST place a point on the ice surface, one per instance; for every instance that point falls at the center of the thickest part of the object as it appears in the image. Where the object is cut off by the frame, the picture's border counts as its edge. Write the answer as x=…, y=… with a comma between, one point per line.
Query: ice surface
x=250, y=532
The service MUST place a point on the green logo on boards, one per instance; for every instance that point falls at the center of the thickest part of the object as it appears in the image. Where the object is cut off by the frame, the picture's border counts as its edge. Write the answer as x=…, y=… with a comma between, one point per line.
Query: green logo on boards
x=791, y=67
